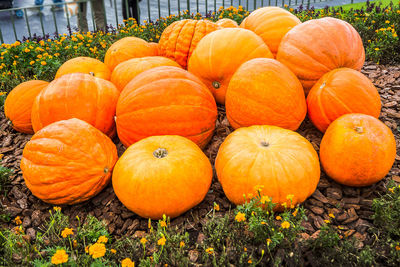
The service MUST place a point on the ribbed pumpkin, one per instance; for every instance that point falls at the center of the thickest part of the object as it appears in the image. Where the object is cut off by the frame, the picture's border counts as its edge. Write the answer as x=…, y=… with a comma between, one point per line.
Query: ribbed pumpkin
x=127, y=48
x=18, y=104
x=281, y=161
x=77, y=95
x=166, y=101
x=86, y=65
x=227, y=23
x=219, y=55
x=68, y=162
x=318, y=46
x=162, y=175
x=155, y=48
x=127, y=70
x=339, y=92
x=180, y=38
x=357, y=150
x=271, y=24
x=264, y=91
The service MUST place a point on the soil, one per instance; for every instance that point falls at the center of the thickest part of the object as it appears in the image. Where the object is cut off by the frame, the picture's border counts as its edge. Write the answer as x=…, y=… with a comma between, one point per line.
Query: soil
x=351, y=206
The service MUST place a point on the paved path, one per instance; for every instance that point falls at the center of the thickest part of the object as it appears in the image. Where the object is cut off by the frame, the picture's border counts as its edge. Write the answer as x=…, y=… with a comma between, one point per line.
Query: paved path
x=49, y=27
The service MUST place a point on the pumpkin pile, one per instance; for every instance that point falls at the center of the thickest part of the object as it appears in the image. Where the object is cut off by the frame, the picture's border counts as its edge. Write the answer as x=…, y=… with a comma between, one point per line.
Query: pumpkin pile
x=160, y=100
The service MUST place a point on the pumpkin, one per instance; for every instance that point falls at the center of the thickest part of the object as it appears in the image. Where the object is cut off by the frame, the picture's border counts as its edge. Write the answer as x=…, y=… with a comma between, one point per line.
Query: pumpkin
x=215, y=59
x=179, y=39
x=166, y=101
x=18, y=104
x=281, y=162
x=155, y=48
x=357, y=150
x=227, y=23
x=127, y=48
x=86, y=65
x=318, y=46
x=271, y=24
x=127, y=70
x=162, y=175
x=68, y=162
x=77, y=95
x=339, y=92
x=264, y=91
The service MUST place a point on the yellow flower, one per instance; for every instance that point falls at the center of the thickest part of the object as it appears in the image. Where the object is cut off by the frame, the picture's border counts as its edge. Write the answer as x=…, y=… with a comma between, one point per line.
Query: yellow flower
x=376, y=48
x=391, y=190
x=59, y=257
x=66, y=232
x=97, y=250
x=278, y=218
x=265, y=199
x=250, y=261
x=32, y=62
x=285, y=225
x=295, y=212
x=87, y=249
x=161, y=241
x=56, y=208
x=387, y=22
x=331, y=215
x=289, y=197
x=216, y=207
x=163, y=224
x=75, y=244
x=327, y=221
x=397, y=247
x=240, y=217
x=2, y=93
x=258, y=188
x=113, y=251
x=210, y=251
x=181, y=244
x=127, y=262
x=27, y=50
x=143, y=241
x=102, y=239
x=43, y=63
x=17, y=220
x=268, y=241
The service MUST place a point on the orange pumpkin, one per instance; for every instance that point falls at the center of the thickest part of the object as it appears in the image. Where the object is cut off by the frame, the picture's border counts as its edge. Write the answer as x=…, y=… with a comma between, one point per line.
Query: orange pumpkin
x=280, y=161
x=162, y=175
x=68, y=162
x=271, y=24
x=215, y=59
x=86, y=65
x=155, y=48
x=127, y=70
x=339, y=92
x=180, y=38
x=18, y=104
x=264, y=91
x=227, y=23
x=318, y=46
x=77, y=95
x=357, y=150
x=127, y=48
x=166, y=101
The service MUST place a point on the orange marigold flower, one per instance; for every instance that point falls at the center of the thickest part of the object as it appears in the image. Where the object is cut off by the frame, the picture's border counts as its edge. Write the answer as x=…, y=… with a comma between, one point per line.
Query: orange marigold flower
x=143, y=241
x=113, y=251
x=181, y=244
x=285, y=225
x=210, y=251
x=127, y=262
x=240, y=217
x=163, y=224
x=66, y=232
x=59, y=257
x=17, y=220
x=97, y=250
x=216, y=207
x=102, y=239
x=161, y=241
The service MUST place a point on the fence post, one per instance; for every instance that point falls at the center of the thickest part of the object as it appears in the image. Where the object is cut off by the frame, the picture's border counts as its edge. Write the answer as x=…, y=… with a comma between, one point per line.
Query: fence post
x=308, y=4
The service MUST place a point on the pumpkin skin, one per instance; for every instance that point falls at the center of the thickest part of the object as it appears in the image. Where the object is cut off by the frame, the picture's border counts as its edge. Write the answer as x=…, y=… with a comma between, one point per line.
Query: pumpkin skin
x=86, y=65
x=155, y=48
x=179, y=39
x=19, y=102
x=264, y=91
x=357, y=150
x=280, y=160
x=271, y=24
x=215, y=60
x=68, y=162
x=318, y=46
x=77, y=95
x=162, y=175
x=127, y=70
x=166, y=101
x=227, y=23
x=127, y=48
x=341, y=91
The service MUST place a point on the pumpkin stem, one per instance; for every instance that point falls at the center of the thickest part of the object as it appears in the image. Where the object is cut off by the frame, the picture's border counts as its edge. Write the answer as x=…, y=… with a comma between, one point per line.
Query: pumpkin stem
x=106, y=170
x=216, y=84
x=359, y=129
x=160, y=153
x=91, y=73
x=264, y=144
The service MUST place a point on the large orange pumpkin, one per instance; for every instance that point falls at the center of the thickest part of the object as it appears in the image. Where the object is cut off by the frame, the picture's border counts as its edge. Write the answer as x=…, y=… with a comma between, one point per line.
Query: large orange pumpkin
x=180, y=38
x=162, y=175
x=318, y=46
x=18, y=104
x=339, y=92
x=127, y=48
x=166, y=101
x=264, y=91
x=357, y=150
x=271, y=24
x=127, y=70
x=77, y=95
x=86, y=65
x=281, y=161
x=68, y=162
x=227, y=23
x=155, y=48
x=219, y=55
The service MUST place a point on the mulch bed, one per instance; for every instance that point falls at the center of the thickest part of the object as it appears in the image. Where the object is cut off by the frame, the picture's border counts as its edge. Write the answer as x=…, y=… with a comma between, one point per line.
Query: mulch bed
x=351, y=206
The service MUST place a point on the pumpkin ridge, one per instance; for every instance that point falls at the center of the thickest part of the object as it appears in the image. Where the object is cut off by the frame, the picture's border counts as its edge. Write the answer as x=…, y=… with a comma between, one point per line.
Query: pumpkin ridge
x=191, y=42
x=176, y=41
x=323, y=113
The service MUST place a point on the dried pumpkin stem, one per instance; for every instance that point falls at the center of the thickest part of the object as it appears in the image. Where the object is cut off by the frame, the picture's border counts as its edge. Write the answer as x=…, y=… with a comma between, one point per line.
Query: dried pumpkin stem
x=91, y=73
x=264, y=144
x=216, y=84
x=359, y=129
x=106, y=170
x=160, y=153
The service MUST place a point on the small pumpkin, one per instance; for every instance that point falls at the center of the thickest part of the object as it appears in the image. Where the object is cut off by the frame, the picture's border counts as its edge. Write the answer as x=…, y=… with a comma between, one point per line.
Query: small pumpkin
x=127, y=70
x=166, y=101
x=68, y=162
x=281, y=162
x=77, y=95
x=86, y=65
x=318, y=46
x=339, y=92
x=264, y=91
x=18, y=104
x=162, y=175
x=357, y=150
x=215, y=59
x=227, y=23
